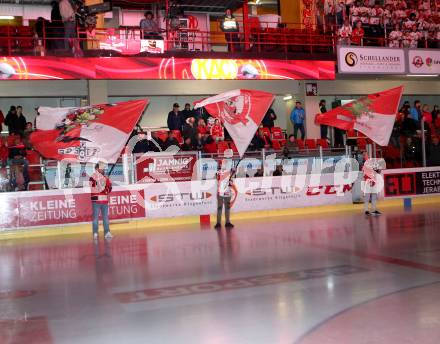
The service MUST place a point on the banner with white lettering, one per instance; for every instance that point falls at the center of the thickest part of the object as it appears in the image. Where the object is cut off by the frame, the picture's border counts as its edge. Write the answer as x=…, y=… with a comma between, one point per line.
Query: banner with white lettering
x=360, y=60
x=181, y=199
x=250, y=194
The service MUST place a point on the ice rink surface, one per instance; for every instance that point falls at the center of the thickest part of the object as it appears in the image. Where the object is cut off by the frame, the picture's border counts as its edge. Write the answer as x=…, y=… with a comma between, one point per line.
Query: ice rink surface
x=327, y=278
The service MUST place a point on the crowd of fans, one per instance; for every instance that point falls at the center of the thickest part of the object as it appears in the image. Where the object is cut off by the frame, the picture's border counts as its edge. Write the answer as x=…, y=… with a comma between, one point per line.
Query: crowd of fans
x=13, y=150
x=405, y=146
x=405, y=24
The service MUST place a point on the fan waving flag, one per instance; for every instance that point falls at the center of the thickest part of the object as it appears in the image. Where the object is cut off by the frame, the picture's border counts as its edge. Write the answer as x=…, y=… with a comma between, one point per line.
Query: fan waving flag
x=373, y=115
x=92, y=133
x=240, y=111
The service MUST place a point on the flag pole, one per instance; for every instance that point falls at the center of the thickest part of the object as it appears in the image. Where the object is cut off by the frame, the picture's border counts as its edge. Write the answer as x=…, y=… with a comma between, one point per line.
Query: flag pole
x=423, y=143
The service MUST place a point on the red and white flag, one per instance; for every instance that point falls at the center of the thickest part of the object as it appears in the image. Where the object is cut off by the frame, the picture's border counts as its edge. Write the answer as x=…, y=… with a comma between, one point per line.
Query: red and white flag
x=373, y=115
x=92, y=133
x=240, y=111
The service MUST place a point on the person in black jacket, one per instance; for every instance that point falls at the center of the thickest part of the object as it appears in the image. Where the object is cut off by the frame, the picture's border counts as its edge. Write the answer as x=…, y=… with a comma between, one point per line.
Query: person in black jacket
x=175, y=120
x=269, y=119
x=324, y=128
x=187, y=112
x=15, y=120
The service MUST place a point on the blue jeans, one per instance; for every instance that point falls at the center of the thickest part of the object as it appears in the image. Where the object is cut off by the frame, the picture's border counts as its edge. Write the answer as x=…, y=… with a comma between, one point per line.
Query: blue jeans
x=104, y=212
x=299, y=127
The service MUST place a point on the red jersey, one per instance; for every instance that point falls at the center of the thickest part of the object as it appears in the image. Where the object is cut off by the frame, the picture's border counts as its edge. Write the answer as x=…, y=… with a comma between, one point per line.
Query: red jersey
x=202, y=129
x=101, y=186
x=217, y=131
x=357, y=35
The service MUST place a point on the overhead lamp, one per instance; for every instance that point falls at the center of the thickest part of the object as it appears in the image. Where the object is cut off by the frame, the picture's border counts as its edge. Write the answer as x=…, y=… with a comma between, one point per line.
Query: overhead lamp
x=288, y=97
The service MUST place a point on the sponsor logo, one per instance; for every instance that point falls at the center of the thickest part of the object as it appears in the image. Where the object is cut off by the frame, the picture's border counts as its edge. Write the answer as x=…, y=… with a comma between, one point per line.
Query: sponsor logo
x=185, y=196
x=274, y=190
x=429, y=61
x=351, y=59
x=236, y=109
x=81, y=152
x=417, y=61
x=328, y=189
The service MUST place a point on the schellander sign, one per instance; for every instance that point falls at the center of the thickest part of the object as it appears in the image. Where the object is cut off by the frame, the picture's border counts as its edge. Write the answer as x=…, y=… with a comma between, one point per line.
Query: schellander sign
x=360, y=60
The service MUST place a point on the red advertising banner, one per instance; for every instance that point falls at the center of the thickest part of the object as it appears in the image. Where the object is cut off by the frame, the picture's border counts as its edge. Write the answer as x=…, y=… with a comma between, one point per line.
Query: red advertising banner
x=165, y=168
x=160, y=68
x=47, y=208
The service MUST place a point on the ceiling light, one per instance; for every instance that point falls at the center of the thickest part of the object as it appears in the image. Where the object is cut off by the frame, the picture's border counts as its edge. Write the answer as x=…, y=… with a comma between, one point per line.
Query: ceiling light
x=427, y=75
x=6, y=17
x=289, y=97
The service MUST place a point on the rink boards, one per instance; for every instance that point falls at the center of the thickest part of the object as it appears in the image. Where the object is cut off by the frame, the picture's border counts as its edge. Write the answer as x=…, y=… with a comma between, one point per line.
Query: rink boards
x=165, y=200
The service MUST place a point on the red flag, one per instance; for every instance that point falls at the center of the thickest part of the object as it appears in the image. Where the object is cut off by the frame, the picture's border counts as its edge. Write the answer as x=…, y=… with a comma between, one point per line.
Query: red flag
x=240, y=111
x=92, y=133
x=373, y=115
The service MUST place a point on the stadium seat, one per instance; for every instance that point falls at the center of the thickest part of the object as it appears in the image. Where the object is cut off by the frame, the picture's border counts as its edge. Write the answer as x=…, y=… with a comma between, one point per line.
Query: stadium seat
x=265, y=131
x=351, y=133
x=162, y=135
x=276, y=145
x=283, y=142
x=277, y=133
x=310, y=143
x=323, y=143
x=300, y=143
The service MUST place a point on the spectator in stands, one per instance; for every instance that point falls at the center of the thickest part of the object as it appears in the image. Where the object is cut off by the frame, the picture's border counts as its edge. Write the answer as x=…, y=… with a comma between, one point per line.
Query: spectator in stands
x=345, y=32
x=358, y=34
x=265, y=141
x=435, y=113
x=187, y=144
x=290, y=146
x=411, y=38
x=210, y=146
x=198, y=142
x=426, y=115
x=189, y=129
x=19, y=166
x=4, y=152
x=416, y=111
x=329, y=14
x=27, y=133
x=395, y=37
x=269, y=119
x=298, y=117
x=171, y=141
x=339, y=9
x=278, y=171
x=202, y=128
x=142, y=145
x=2, y=120
x=56, y=27
x=101, y=186
x=323, y=128
x=434, y=152
x=68, y=16
x=411, y=152
x=259, y=173
x=217, y=130
x=15, y=120
x=230, y=27
x=149, y=27
x=175, y=120
x=187, y=112
x=409, y=125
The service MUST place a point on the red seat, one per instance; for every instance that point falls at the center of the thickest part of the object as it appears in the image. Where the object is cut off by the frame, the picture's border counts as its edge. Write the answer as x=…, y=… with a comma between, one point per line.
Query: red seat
x=162, y=135
x=323, y=143
x=35, y=174
x=300, y=143
x=283, y=142
x=277, y=133
x=265, y=131
x=311, y=143
x=276, y=145
x=222, y=146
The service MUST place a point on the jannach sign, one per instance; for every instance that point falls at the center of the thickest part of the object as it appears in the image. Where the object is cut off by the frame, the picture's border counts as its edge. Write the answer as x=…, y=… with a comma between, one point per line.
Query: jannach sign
x=161, y=167
x=424, y=61
x=411, y=182
x=357, y=60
